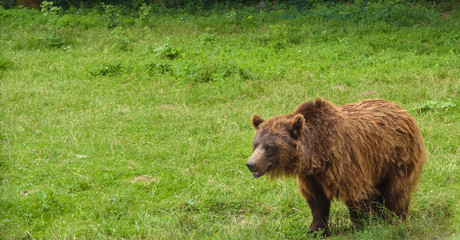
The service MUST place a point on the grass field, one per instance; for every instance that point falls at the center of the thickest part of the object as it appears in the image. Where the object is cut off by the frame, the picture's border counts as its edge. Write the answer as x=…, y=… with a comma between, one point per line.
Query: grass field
x=118, y=126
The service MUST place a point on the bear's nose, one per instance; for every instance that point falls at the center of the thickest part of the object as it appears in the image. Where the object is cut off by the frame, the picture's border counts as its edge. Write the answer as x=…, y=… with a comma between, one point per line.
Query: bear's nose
x=251, y=166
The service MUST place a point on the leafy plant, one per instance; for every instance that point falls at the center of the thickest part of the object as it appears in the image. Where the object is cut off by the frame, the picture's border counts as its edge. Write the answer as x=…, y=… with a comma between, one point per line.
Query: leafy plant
x=281, y=36
x=144, y=14
x=50, y=12
x=112, y=14
x=435, y=105
x=209, y=38
x=122, y=38
x=107, y=69
x=216, y=70
x=167, y=52
x=158, y=68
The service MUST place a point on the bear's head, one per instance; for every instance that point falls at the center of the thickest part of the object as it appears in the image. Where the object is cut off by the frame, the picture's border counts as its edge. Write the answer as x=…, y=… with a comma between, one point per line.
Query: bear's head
x=275, y=145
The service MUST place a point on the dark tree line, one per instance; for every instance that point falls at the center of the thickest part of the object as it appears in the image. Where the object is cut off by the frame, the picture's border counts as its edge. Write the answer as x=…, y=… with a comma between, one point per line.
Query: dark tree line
x=202, y=4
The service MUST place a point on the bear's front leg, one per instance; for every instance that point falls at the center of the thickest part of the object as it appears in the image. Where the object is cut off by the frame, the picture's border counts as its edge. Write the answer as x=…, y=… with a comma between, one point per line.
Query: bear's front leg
x=318, y=203
x=320, y=210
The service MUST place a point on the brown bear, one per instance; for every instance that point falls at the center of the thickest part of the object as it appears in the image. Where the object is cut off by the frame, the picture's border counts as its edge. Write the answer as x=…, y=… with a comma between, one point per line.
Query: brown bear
x=367, y=154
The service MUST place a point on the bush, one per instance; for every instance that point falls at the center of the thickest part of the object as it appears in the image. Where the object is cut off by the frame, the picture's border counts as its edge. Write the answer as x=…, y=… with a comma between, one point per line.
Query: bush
x=435, y=105
x=122, y=39
x=167, y=52
x=371, y=12
x=107, y=69
x=215, y=70
x=158, y=68
x=5, y=63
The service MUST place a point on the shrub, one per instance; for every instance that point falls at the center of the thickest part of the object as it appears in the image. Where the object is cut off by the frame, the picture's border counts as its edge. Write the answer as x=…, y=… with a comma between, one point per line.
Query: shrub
x=435, y=105
x=215, y=70
x=52, y=38
x=158, y=68
x=122, y=39
x=391, y=12
x=167, y=52
x=107, y=69
x=5, y=63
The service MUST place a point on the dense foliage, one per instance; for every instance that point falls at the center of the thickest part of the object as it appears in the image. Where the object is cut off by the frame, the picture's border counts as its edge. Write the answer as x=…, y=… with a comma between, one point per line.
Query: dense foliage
x=197, y=5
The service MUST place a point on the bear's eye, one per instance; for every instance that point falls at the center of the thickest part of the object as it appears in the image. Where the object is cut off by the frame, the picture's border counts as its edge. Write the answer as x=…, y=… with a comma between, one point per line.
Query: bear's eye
x=268, y=147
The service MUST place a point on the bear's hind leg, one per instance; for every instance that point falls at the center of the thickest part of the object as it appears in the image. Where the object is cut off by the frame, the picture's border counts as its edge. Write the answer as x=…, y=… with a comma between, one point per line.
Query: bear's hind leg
x=397, y=195
x=378, y=207
x=359, y=213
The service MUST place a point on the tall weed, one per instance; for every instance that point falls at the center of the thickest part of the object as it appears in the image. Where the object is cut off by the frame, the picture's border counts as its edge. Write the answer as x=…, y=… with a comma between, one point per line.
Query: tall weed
x=123, y=39
x=52, y=38
x=106, y=69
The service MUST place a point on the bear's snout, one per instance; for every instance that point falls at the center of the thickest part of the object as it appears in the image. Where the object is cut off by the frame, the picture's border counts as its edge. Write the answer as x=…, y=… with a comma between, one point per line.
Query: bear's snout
x=251, y=166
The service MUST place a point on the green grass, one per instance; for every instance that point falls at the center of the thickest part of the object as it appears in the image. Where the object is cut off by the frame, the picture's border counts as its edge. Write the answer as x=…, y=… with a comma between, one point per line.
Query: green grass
x=112, y=134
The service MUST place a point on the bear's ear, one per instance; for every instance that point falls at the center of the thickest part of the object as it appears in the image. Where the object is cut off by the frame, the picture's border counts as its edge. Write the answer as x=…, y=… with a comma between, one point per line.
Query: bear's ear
x=256, y=120
x=297, y=125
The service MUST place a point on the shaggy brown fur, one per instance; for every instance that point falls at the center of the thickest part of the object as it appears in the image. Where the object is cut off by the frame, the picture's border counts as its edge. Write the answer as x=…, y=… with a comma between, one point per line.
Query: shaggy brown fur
x=368, y=154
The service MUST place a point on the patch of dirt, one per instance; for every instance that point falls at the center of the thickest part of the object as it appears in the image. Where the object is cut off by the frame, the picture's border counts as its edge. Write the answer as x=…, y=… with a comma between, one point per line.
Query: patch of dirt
x=446, y=14
x=145, y=180
x=28, y=192
x=167, y=106
x=370, y=94
x=340, y=87
x=190, y=171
